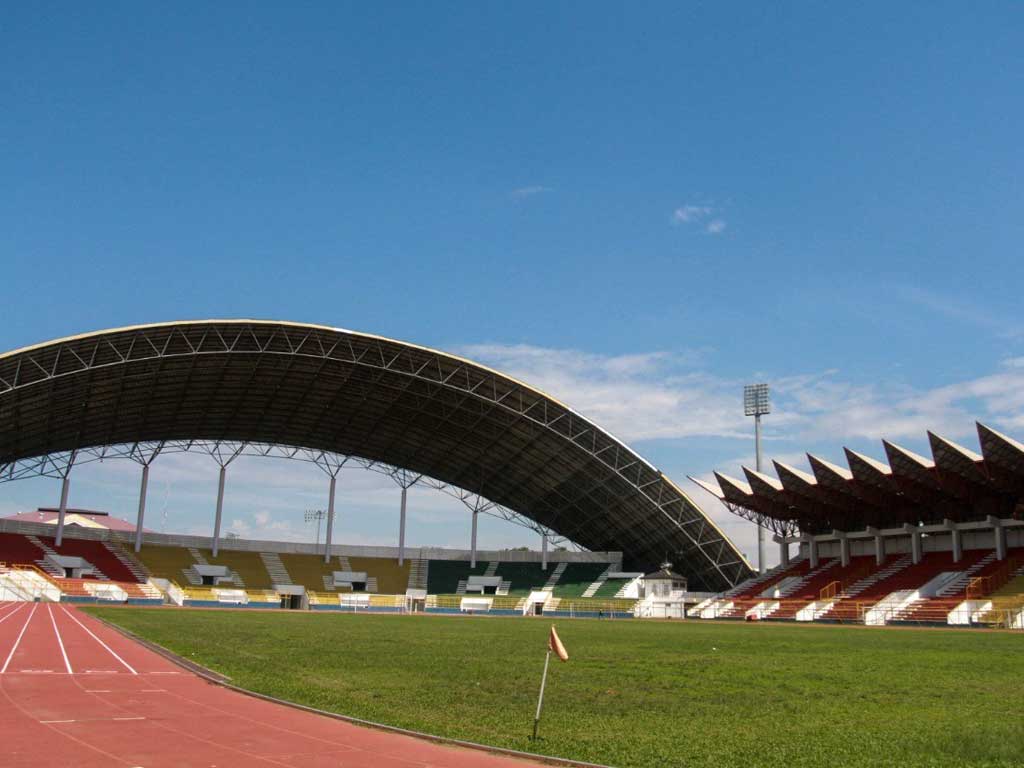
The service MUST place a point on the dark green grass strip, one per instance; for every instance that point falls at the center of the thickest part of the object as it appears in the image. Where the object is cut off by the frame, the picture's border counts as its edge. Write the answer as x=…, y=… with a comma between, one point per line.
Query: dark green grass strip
x=634, y=693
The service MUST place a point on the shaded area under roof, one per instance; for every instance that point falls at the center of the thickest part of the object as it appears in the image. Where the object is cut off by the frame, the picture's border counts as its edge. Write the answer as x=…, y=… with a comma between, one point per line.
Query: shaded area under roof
x=366, y=396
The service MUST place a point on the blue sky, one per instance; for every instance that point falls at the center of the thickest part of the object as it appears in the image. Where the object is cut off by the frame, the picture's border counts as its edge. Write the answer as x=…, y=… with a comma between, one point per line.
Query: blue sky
x=637, y=207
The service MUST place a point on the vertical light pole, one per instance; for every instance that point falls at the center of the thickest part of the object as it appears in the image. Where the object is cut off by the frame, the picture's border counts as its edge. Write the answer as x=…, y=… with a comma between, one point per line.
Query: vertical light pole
x=756, y=404
x=318, y=515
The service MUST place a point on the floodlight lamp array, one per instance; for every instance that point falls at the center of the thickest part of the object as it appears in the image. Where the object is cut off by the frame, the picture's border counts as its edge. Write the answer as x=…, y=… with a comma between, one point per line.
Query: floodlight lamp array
x=755, y=400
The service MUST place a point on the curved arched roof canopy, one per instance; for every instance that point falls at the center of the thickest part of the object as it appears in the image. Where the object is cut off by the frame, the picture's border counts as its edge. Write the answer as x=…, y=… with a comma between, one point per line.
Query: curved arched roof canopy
x=360, y=395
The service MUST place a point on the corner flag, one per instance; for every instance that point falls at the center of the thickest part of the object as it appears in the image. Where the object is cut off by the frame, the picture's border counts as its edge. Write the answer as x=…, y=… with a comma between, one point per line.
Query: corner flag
x=556, y=647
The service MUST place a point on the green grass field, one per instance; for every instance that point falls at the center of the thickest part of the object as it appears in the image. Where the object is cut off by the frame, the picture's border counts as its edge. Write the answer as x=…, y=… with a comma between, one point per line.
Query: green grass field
x=634, y=693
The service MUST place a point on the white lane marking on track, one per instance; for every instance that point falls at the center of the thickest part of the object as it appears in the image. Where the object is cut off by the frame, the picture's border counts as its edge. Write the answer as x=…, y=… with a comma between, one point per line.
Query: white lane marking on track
x=11, y=613
x=20, y=634
x=47, y=722
x=127, y=666
x=127, y=718
x=60, y=642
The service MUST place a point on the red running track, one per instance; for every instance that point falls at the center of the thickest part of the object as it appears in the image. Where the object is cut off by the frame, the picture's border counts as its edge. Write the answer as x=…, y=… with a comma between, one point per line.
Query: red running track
x=75, y=693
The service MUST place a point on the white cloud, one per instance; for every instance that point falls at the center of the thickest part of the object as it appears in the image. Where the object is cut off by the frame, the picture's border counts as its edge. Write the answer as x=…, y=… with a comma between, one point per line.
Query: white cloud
x=524, y=192
x=690, y=213
x=707, y=216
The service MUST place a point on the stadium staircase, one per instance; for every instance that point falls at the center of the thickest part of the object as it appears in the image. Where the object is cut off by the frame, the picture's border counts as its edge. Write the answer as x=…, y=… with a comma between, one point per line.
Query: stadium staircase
x=136, y=568
x=764, y=597
x=716, y=606
x=43, y=563
x=193, y=577
x=846, y=604
x=17, y=549
x=344, y=564
x=275, y=568
x=592, y=589
x=880, y=602
x=936, y=609
x=556, y=574
x=419, y=572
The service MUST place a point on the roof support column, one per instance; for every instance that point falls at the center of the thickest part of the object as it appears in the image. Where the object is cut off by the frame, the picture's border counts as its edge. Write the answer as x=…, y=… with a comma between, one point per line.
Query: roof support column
x=331, y=464
x=915, y=542
x=844, y=548
x=330, y=519
x=812, y=551
x=144, y=454
x=783, y=551
x=220, y=510
x=958, y=544
x=401, y=528
x=65, y=489
x=142, y=507
x=879, y=545
x=1000, y=535
x=472, y=541
x=543, y=551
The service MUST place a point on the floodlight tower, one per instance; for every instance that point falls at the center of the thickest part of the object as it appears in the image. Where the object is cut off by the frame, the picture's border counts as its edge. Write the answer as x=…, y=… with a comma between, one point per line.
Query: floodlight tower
x=756, y=404
x=318, y=515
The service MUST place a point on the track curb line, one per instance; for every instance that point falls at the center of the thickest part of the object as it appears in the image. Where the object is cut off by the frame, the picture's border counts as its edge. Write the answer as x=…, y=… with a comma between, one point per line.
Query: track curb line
x=222, y=680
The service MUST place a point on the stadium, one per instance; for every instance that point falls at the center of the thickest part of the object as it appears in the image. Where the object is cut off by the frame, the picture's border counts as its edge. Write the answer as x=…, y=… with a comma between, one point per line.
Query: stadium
x=112, y=606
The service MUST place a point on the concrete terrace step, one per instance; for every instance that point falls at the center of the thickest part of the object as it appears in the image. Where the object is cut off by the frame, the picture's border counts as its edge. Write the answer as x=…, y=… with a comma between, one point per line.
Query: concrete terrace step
x=592, y=589
x=276, y=570
x=555, y=576
x=138, y=570
x=419, y=570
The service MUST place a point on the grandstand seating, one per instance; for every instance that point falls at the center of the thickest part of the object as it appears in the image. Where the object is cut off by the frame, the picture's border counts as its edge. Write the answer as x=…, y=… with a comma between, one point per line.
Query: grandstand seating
x=736, y=602
x=248, y=566
x=577, y=577
x=17, y=549
x=166, y=562
x=810, y=589
x=610, y=588
x=523, y=578
x=96, y=553
x=391, y=578
x=443, y=576
x=309, y=570
x=911, y=577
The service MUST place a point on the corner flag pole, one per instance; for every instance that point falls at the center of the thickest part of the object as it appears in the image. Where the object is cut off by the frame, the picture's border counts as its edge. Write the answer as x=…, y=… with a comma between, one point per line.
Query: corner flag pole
x=540, y=699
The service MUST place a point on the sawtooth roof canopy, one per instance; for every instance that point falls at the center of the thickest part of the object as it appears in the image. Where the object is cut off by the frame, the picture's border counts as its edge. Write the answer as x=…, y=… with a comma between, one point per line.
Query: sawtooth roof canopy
x=354, y=394
x=956, y=484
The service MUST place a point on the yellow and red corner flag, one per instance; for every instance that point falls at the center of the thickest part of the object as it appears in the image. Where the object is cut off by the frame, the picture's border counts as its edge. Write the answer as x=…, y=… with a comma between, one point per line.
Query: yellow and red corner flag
x=555, y=645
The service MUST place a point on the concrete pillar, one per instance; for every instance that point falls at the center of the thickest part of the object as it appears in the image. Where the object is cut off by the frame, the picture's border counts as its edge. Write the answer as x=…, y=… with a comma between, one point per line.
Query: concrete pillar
x=783, y=552
x=401, y=528
x=879, y=549
x=1000, y=543
x=958, y=544
x=330, y=519
x=915, y=546
x=844, y=548
x=220, y=511
x=812, y=545
x=142, y=507
x=543, y=551
x=64, y=489
x=472, y=542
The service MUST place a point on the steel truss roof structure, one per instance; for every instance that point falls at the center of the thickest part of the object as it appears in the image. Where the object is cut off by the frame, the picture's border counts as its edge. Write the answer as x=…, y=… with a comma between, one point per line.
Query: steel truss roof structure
x=270, y=388
x=956, y=484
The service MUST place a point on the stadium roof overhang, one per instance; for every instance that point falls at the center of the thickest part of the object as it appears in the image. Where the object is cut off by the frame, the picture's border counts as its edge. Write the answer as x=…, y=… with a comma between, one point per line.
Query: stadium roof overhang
x=956, y=485
x=281, y=387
